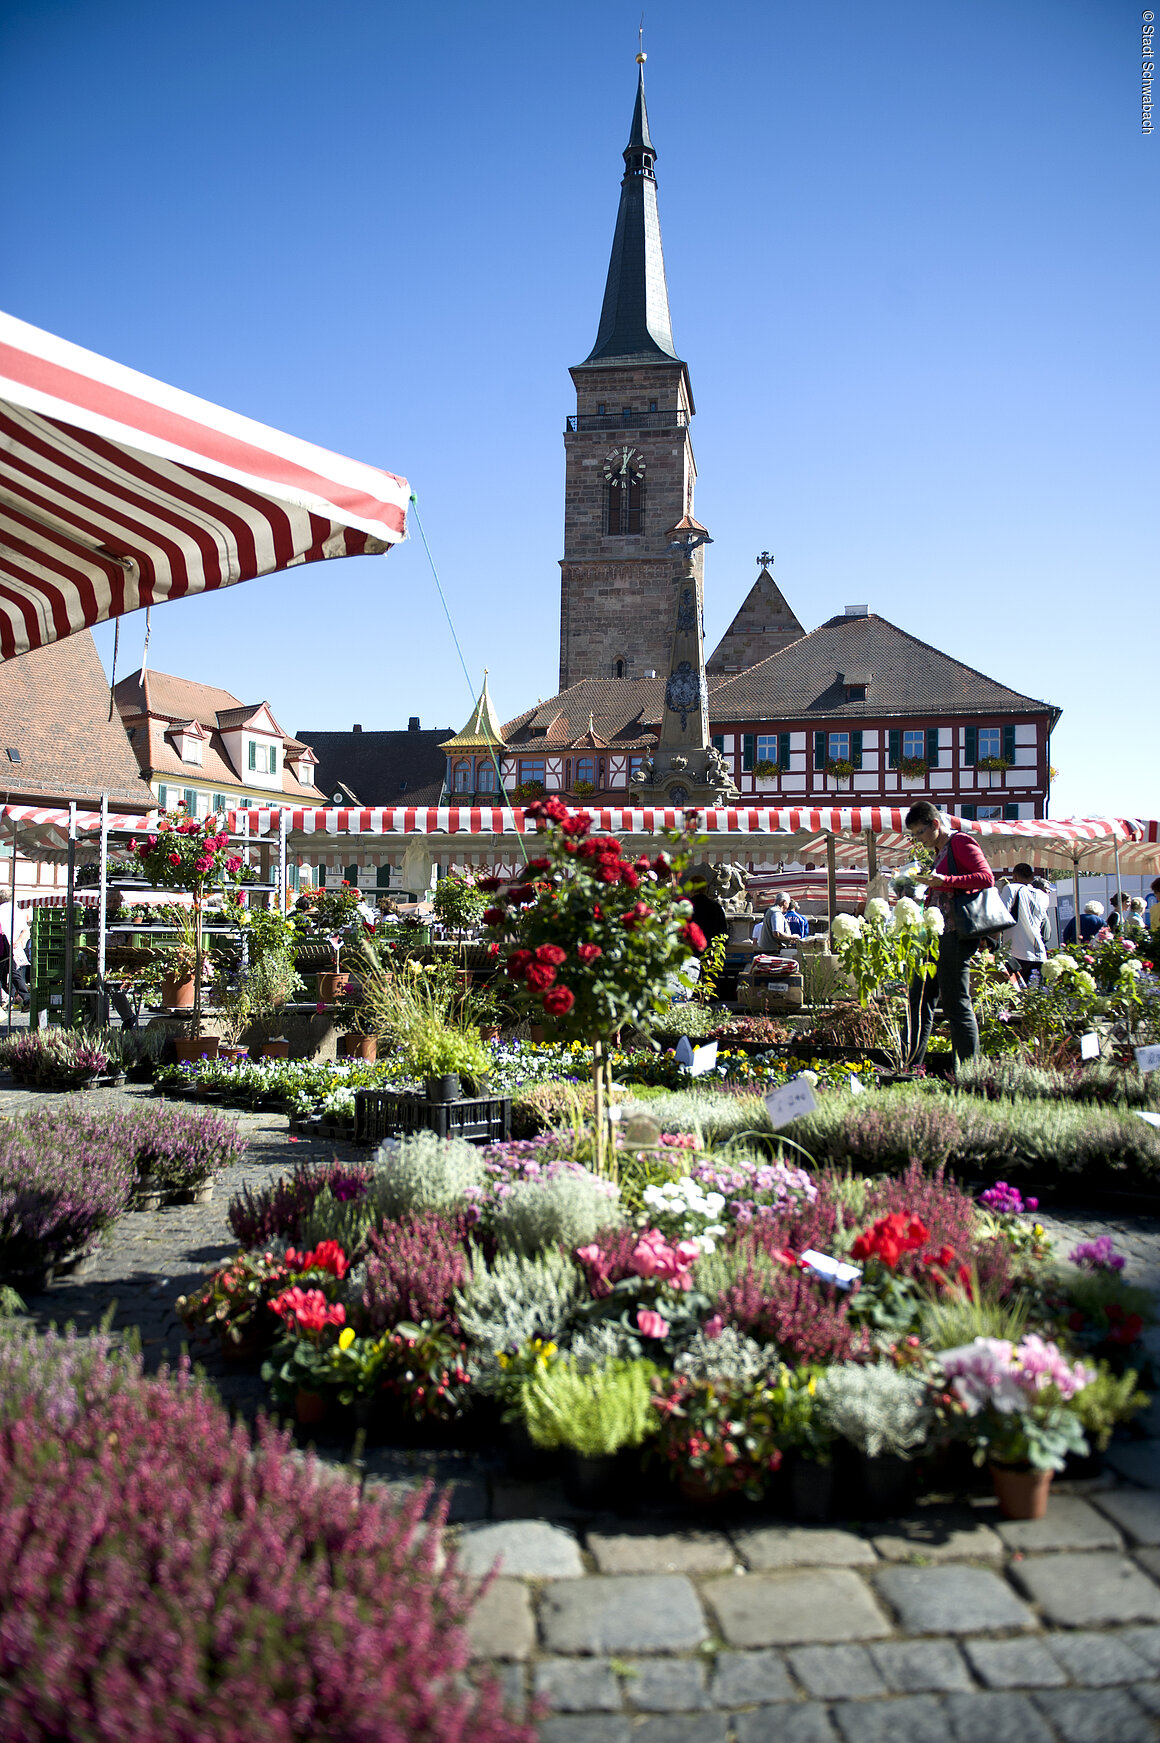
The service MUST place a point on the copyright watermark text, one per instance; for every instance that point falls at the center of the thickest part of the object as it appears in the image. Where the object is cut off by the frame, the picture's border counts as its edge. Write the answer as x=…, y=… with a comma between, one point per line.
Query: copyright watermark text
x=1147, y=68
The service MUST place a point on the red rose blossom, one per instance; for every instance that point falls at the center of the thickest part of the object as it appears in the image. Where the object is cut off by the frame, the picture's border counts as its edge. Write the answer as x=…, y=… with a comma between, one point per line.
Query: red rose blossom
x=551, y=954
x=493, y=916
x=693, y=936
x=588, y=952
x=558, y=1001
x=539, y=976
x=489, y=884
x=517, y=964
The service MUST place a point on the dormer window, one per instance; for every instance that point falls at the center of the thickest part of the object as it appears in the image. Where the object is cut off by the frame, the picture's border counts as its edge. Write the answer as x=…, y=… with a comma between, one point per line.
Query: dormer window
x=855, y=692
x=262, y=758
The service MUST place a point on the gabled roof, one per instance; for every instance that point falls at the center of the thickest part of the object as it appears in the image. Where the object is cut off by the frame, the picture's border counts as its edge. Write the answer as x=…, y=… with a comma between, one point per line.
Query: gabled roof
x=595, y=713
x=229, y=719
x=155, y=706
x=152, y=692
x=907, y=676
x=763, y=625
x=383, y=768
x=482, y=729
x=54, y=713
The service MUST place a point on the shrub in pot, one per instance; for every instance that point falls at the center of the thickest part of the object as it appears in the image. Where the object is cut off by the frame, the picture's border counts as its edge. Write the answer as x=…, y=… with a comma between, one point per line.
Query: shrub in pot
x=884, y=1413
x=598, y=1416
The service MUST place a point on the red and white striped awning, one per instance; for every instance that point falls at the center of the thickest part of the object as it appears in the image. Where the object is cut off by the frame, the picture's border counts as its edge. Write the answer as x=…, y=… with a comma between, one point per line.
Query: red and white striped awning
x=43, y=828
x=117, y=491
x=747, y=833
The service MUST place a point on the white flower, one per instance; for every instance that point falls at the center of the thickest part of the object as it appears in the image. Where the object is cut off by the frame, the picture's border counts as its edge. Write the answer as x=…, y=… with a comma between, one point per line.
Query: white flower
x=1052, y=969
x=906, y=913
x=1130, y=969
x=845, y=926
x=1065, y=961
x=810, y=1077
x=878, y=910
x=1086, y=981
x=934, y=922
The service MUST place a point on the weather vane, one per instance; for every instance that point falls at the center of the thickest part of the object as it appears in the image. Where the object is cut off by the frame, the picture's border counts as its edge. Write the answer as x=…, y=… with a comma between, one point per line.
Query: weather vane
x=641, y=57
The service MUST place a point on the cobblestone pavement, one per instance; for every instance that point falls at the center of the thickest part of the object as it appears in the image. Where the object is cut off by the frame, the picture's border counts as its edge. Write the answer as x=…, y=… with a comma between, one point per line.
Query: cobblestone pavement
x=950, y=1626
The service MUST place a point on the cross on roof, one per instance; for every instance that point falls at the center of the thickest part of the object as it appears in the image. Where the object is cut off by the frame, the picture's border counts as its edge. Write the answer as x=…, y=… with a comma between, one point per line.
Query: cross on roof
x=764, y=560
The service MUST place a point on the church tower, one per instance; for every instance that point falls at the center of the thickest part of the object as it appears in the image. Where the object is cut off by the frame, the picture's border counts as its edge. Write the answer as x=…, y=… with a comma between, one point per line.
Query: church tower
x=629, y=456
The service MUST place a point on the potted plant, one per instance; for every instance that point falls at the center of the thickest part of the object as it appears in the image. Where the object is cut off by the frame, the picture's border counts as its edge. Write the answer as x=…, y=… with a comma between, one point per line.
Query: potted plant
x=1013, y=1406
x=914, y=768
x=443, y=1055
x=765, y=770
x=358, y=1042
x=884, y=1413
x=599, y=1416
x=186, y=855
x=720, y=1436
x=840, y=769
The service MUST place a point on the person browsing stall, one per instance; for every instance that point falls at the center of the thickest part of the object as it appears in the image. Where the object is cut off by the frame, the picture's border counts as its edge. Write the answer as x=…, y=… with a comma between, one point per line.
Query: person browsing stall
x=959, y=869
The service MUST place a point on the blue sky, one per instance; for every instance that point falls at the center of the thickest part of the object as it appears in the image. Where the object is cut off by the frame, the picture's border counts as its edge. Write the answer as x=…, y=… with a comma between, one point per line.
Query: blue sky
x=912, y=264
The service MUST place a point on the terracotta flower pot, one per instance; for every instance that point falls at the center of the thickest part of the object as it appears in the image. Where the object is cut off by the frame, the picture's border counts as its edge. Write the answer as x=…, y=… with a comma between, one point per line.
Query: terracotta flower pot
x=309, y=1407
x=360, y=1047
x=330, y=985
x=275, y=1050
x=1022, y=1491
x=195, y=1047
x=536, y=1032
x=177, y=992
x=487, y=1032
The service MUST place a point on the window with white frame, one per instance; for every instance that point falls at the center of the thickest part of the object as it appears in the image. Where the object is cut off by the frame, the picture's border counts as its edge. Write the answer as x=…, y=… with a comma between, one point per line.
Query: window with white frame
x=914, y=743
x=586, y=770
x=990, y=742
x=263, y=758
x=838, y=747
x=485, y=777
x=767, y=748
x=461, y=777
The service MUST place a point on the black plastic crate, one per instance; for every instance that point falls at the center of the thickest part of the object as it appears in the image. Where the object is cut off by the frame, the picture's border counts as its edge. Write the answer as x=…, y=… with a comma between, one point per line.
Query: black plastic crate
x=383, y=1113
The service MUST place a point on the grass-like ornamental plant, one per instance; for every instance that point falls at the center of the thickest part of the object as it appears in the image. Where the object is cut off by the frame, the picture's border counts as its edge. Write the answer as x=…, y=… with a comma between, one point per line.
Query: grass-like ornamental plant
x=596, y=1412
x=240, y=1594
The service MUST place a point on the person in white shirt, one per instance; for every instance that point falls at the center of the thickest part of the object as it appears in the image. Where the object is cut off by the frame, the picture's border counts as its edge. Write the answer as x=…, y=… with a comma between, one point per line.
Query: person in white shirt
x=1027, y=942
x=773, y=930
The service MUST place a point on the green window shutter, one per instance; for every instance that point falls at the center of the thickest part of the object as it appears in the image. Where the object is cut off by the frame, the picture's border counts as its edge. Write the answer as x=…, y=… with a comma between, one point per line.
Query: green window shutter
x=718, y=742
x=856, y=749
x=783, y=750
x=1008, y=744
x=748, y=750
x=253, y=755
x=320, y=877
x=968, y=811
x=190, y=797
x=1011, y=813
x=163, y=796
x=894, y=748
x=932, y=747
x=351, y=875
x=820, y=752
x=383, y=878
x=971, y=747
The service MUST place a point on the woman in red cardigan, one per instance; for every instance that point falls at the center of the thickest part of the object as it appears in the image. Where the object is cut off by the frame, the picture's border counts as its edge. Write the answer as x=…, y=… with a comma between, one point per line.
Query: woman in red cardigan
x=959, y=869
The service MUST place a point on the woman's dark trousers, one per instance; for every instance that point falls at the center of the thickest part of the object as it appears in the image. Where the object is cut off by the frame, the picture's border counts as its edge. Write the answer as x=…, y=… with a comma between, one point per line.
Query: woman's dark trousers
x=951, y=987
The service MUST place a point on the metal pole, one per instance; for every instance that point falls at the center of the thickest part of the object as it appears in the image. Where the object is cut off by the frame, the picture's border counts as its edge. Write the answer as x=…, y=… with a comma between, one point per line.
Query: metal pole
x=103, y=898
x=283, y=892
x=1075, y=893
x=1119, y=885
x=831, y=879
x=70, y=891
x=12, y=921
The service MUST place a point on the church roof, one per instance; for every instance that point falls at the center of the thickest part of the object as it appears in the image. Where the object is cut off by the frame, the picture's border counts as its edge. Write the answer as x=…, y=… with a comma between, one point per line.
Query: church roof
x=902, y=675
x=635, y=325
x=764, y=624
x=483, y=728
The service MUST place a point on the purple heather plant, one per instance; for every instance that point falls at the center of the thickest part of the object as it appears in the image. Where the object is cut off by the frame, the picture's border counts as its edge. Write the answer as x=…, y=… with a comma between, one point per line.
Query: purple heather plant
x=276, y=1212
x=1098, y=1255
x=57, y=1196
x=413, y=1268
x=241, y=1596
x=1006, y=1200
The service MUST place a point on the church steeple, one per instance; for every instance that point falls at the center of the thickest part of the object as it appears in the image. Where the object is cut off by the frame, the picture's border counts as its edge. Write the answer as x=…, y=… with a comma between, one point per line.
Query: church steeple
x=634, y=320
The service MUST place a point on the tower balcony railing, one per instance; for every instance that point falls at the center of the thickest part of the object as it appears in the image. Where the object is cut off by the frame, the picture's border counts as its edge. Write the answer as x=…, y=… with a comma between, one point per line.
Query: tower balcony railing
x=628, y=420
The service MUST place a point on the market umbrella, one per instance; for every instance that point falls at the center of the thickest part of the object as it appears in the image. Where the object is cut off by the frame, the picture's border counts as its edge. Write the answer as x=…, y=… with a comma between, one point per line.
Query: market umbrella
x=117, y=491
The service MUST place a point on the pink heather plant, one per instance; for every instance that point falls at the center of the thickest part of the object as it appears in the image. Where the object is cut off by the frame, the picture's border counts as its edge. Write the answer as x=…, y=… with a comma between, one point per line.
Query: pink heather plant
x=413, y=1267
x=1005, y=1200
x=276, y=1212
x=165, y=1579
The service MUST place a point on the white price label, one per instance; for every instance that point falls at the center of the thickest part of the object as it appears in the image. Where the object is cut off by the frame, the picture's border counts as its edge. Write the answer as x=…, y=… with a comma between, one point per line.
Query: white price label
x=831, y=1269
x=1148, y=1058
x=684, y=1051
x=704, y=1059
x=1152, y=1119
x=1089, y=1045
x=856, y=1085
x=790, y=1102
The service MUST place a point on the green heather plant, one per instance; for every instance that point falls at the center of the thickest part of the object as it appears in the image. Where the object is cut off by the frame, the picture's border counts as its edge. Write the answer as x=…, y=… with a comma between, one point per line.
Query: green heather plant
x=946, y=1321
x=425, y=1172
x=567, y=1211
x=515, y=1298
x=878, y=1410
x=1106, y=1402
x=595, y=1413
x=729, y=1359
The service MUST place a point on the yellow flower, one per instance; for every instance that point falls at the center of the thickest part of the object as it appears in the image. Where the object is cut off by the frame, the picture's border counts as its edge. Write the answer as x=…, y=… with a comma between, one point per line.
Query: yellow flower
x=346, y=1337
x=1037, y=1230
x=812, y=1386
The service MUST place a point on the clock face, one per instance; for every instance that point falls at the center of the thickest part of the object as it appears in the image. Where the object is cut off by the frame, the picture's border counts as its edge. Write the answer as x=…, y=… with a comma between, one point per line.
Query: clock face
x=624, y=466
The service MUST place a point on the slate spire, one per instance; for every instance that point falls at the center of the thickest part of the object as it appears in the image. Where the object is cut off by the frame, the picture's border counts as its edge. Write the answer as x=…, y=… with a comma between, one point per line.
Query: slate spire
x=635, y=321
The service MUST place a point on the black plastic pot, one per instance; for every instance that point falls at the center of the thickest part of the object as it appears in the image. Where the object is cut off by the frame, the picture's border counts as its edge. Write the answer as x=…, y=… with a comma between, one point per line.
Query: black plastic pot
x=810, y=1489
x=607, y=1484
x=887, y=1485
x=445, y=1088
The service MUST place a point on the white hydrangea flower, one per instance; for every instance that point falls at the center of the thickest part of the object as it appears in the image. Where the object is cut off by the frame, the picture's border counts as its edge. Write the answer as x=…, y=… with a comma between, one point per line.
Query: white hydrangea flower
x=1086, y=980
x=1052, y=969
x=1065, y=961
x=934, y=922
x=845, y=926
x=906, y=913
x=878, y=910
x=810, y=1077
x=1130, y=968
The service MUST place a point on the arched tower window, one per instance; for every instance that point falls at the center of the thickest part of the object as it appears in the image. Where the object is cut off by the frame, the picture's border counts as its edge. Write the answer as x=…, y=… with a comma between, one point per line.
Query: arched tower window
x=461, y=780
x=618, y=668
x=485, y=778
x=625, y=506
